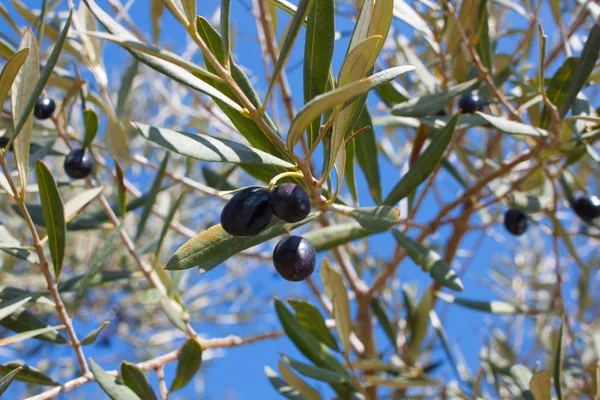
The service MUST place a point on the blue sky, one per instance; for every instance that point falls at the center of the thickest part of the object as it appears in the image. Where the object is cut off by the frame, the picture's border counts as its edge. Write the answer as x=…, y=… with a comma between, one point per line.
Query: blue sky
x=239, y=373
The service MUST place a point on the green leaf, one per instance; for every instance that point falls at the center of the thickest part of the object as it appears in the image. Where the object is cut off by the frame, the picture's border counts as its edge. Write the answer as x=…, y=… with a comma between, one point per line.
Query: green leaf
x=404, y=12
x=558, y=86
x=401, y=382
x=308, y=345
x=8, y=307
x=293, y=30
x=90, y=119
x=311, y=319
x=27, y=374
x=335, y=289
x=28, y=97
x=28, y=335
x=420, y=323
x=174, y=312
x=392, y=94
x=296, y=382
x=558, y=361
x=366, y=154
x=54, y=215
x=585, y=65
x=430, y=104
x=99, y=260
x=326, y=101
x=207, y=148
x=169, y=69
x=154, y=190
x=7, y=379
x=91, y=337
x=225, y=20
x=162, y=54
x=424, y=166
x=483, y=46
x=78, y=203
x=317, y=373
x=513, y=127
x=21, y=321
x=167, y=222
x=282, y=387
x=213, y=246
x=349, y=170
x=390, y=329
x=540, y=385
x=9, y=72
x=121, y=189
x=376, y=219
x=125, y=89
x=114, y=389
x=318, y=53
x=22, y=91
x=188, y=363
x=430, y=262
x=493, y=306
x=335, y=235
x=136, y=380
x=218, y=180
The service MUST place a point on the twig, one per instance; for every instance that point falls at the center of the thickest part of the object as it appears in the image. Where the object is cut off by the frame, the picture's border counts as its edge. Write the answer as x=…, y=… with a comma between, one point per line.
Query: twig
x=162, y=386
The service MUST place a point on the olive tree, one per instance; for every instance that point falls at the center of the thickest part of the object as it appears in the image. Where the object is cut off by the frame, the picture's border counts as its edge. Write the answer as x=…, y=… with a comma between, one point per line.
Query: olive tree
x=138, y=202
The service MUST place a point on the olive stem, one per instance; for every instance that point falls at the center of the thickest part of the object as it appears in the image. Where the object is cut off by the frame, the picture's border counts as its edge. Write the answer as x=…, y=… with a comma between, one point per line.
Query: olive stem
x=273, y=181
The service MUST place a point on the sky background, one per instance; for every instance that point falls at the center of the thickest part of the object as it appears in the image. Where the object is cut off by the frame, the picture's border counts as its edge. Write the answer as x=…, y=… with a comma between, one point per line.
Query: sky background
x=238, y=373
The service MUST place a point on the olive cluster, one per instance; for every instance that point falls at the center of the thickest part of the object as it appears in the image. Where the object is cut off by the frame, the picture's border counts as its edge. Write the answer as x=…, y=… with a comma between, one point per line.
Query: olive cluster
x=586, y=208
x=78, y=163
x=249, y=212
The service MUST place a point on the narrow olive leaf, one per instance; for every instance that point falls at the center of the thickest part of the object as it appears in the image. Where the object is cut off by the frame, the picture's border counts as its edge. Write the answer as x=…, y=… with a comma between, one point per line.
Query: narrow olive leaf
x=27, y=374
x=90, y=118
x=293, y=30
x=326, y=101
x=27, y=335
x=404, y=12
x=425, y=105
x=366, y=154
x=116, y=140
x=171, y=70
x=23, y=90
x=585, y=66
x=167, y=222
x=154, y=190
x=405, y=382
x=376, y=219
x=424, y=165
x=189, y=6
x=213, y=246
x=557, y=87
x=78, y=203
x=540, y=385
x=188, y=363
x=349, y=170
x=282, y=387
x=335, y=235
x=558, y=361
x=91, y=337
x=54, y=215
x=6, y=15
x=335, y=289
x=225, y=20
x=7, y=379
x=390, y=329
x=7, y=307
x=22, y=321
x=157, y=8
x=430, y=262
x=308, y=345
x=100, y=258
x=137, y=381
x=9, y=72
x=296, y=382
x=513, y=127
x=121, y=189
x=311, y=319
x=150, y=50
x=113, y=388
x=207, y=148
x=125, y=89
x=483, y=45
x=27, y=99
x=318, y=53
x=420, y=323
x=317, y=373
x=441, y=332
x=493, y=307
x=101, y=278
